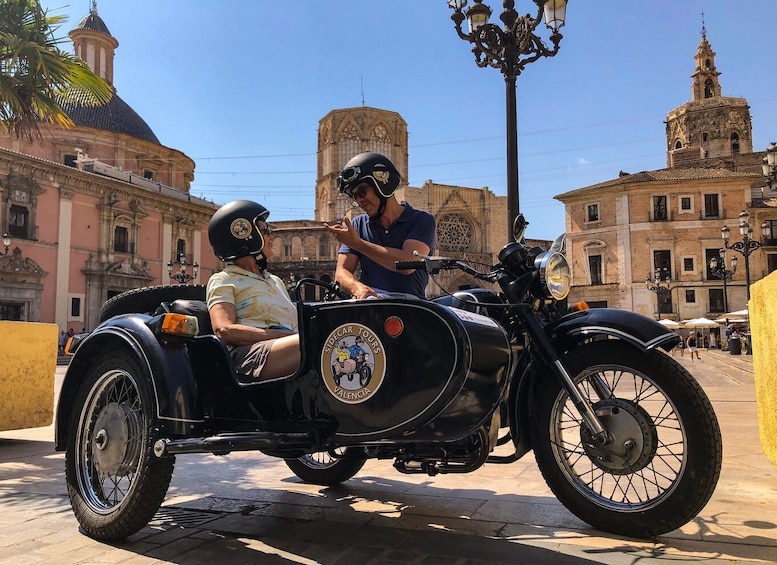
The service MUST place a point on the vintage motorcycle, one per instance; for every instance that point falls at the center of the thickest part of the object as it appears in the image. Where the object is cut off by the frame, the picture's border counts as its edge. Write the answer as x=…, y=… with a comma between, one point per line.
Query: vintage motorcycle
x=624, y=436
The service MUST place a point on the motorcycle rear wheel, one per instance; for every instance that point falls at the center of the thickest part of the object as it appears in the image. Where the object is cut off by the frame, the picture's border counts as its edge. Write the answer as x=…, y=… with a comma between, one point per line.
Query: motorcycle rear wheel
x=114, y=480
x=665, y=454
x=322, y=469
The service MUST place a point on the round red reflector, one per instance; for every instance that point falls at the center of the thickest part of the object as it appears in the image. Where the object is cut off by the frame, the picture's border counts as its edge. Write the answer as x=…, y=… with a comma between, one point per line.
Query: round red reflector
x=393, y=326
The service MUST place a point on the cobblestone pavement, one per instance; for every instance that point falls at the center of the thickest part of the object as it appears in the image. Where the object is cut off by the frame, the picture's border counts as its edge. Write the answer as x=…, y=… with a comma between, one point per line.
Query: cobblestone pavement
x=249, y=508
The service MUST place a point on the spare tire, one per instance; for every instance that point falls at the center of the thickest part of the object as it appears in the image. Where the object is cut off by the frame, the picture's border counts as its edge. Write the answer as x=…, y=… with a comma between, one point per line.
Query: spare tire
x=145, y=300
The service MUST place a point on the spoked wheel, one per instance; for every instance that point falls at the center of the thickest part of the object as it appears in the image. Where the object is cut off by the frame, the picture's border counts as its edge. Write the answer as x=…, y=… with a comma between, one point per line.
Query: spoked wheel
x=114, y=481
x=365, y=374
x=662, y=457
x=321, y=468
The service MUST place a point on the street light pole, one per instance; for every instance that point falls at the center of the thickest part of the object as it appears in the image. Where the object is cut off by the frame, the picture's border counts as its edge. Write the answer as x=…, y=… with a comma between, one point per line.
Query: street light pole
x=747, y=245
x=509, y=49
x=655, y=285
x=182, y=276
x=718, y=268
x=6, y=244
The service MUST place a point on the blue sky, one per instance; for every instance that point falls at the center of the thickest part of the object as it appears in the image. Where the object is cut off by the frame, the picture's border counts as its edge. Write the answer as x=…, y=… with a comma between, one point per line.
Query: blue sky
x=240, y=86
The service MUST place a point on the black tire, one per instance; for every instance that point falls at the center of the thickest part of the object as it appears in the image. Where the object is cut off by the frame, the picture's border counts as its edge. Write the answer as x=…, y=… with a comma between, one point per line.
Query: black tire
x=145, y=300
x=114, y=480
x=323, y=469
x=650, y=405
x=365, y=375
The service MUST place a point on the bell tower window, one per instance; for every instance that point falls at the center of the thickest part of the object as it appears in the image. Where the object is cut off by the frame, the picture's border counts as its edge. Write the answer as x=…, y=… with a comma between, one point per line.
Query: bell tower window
x=709, y=88
x=734, y=144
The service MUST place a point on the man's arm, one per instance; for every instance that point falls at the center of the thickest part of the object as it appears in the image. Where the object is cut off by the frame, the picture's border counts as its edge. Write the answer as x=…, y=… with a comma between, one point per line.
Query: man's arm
x=344, y=275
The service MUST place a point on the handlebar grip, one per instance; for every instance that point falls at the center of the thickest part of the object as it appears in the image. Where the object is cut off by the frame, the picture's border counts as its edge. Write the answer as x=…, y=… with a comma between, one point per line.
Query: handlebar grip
x=409, y=265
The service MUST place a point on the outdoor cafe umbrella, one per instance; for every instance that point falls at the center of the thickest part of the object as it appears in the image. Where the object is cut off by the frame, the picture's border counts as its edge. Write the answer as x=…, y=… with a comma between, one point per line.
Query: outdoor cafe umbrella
x=701, y=323
x=669, y=323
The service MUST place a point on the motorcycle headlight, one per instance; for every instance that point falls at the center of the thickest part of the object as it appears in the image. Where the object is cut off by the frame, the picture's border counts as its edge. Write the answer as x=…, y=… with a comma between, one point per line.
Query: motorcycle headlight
x=554, y=276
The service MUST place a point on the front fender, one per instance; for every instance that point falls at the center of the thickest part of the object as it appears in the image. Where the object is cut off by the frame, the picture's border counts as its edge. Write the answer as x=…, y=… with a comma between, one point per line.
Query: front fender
x=177, y=398
x=640, y=331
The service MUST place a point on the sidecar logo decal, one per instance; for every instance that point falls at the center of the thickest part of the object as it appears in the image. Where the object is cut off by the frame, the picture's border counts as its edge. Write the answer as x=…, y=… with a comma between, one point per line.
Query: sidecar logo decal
x=353, y=363
x=240, y=228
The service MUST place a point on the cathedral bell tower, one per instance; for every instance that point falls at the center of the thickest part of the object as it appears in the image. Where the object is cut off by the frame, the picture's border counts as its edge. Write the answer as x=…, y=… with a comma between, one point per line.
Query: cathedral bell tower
x=711, y=130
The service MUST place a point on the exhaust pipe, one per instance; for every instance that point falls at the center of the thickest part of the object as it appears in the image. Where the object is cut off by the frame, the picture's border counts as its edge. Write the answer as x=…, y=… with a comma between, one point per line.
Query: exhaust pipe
x=222, y=444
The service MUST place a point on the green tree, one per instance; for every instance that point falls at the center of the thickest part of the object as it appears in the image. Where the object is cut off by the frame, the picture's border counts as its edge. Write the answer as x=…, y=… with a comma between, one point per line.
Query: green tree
x=36, y=76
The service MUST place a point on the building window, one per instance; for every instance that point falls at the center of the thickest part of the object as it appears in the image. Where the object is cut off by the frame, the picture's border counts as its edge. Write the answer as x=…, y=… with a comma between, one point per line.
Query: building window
x=709, y=254
x=323, y=247
x=75, y=307
x=771, y=262
x=686, y=204
x=593, y=213
x=148, y=174
x=19, y=222
x=709, y=88
x=595, y=267
x=690, y=296
x=70, y=160
x=662, y=262
x=454, y=233
x=734, y=143
x=12, y=311
x=688, y=264
x=716, y=300
x=678, y=144
x=704, y=137
x=660, y=211
x=711, y=208
x=121, y=239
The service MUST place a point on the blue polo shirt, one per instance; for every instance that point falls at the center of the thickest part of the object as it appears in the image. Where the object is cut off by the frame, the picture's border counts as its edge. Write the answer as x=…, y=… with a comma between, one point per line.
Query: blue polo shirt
x=411, y=224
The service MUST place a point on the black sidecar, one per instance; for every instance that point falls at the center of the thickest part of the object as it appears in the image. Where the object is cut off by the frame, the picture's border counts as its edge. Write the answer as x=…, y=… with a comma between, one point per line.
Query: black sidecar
x=143, y=387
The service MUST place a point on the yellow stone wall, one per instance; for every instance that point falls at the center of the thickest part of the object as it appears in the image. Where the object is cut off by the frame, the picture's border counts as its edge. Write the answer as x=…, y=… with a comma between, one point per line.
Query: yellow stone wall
x=28, y=360
x=763, y=320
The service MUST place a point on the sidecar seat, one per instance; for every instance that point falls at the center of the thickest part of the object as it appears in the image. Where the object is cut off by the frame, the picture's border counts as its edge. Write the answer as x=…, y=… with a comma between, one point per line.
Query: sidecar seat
x=196, y=308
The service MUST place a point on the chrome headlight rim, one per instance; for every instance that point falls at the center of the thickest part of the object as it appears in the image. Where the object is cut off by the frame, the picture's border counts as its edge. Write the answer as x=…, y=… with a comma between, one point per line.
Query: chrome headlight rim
x=554, y=274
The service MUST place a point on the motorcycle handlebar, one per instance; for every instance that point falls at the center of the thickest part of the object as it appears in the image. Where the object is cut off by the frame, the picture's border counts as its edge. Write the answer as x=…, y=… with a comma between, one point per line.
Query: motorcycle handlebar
x=409, y=265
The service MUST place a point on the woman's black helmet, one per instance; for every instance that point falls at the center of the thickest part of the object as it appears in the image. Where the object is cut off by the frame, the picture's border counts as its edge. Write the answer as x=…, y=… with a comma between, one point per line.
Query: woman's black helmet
x=234, y=231
x=374, y=168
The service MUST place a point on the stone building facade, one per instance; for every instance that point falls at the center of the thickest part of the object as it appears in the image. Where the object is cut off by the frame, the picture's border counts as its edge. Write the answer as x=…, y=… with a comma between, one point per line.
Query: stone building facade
x=620, y=232
x=79, y=237
x=470, y=221
x=104, y=207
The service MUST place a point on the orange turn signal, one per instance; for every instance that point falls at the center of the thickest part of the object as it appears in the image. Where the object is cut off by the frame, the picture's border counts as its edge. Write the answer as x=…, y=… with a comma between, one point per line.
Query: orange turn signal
x=180, y=324
x=578, y=306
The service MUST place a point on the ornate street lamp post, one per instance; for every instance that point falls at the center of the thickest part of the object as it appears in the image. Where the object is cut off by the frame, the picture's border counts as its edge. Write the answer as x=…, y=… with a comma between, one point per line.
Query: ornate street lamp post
x=509, y=49
x=182, y=276
x=6, y=243
x=718, y=268
x=659, y=286
x=747, y=245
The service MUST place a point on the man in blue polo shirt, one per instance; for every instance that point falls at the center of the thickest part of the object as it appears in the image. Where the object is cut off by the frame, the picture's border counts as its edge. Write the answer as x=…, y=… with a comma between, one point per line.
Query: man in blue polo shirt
x=387, y=232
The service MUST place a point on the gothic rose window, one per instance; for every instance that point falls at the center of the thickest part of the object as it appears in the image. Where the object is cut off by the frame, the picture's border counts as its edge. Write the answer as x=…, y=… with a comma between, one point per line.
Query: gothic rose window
x=454, y=233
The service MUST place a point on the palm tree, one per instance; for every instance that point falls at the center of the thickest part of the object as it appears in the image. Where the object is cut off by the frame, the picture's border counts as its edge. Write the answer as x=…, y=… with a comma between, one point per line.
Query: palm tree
x=36, y=76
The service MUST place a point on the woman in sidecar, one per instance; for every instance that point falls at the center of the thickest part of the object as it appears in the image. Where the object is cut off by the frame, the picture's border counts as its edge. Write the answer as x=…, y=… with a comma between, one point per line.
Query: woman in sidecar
x=250, y=309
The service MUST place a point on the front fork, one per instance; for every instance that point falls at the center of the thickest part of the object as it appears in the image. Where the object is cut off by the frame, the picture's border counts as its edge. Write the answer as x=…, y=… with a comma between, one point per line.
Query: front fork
x=549, y=355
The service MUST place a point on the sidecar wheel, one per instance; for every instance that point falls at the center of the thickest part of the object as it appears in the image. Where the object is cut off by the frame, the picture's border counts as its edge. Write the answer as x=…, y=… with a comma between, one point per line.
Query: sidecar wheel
x=663, y=458
x=322, y=469
x=114, y=480
x=145, y=300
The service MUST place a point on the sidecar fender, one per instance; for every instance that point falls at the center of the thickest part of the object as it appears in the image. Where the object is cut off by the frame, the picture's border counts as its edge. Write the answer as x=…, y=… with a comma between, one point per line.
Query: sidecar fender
x=640, y=331
x=176, y=395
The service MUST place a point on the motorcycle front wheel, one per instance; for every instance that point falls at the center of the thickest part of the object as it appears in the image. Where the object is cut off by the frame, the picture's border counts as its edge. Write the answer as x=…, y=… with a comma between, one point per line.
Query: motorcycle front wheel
x=321, y=468
x=663, y=454
x=114, y=480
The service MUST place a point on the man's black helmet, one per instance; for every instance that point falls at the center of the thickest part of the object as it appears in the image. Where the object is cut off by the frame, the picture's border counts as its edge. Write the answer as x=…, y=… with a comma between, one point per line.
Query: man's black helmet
x=234, y=232
x=374, y=168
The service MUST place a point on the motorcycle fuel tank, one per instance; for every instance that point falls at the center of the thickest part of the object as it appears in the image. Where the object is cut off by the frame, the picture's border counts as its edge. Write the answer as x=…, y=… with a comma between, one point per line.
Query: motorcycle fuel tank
x=404, y=369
